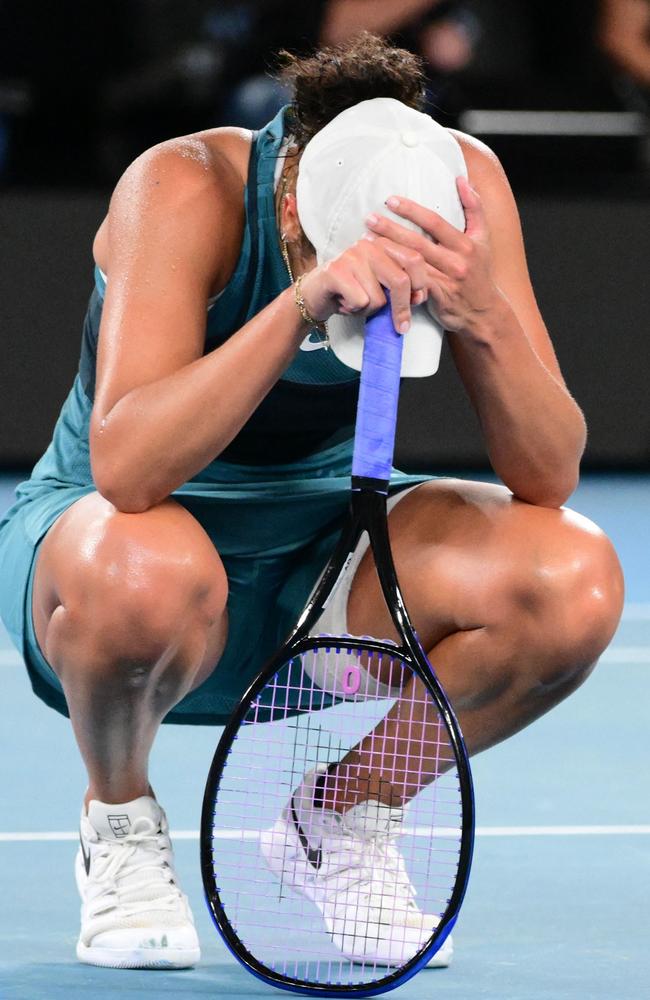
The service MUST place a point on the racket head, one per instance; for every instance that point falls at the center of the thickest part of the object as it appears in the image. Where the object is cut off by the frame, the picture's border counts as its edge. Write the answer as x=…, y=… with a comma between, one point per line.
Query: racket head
x=286, y=725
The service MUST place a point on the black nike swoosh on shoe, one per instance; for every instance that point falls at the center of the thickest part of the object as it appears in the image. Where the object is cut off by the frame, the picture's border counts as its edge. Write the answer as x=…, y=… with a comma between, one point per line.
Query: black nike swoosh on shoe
x=85, y=856
x=314, y=857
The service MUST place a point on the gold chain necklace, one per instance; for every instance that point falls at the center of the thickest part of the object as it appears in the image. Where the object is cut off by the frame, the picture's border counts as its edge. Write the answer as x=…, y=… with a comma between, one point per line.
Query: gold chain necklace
x=284, y=248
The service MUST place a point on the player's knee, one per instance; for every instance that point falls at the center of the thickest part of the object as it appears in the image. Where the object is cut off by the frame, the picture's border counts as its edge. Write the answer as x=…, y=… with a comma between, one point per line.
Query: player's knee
x=579, y=605
x=132, y=608
x=597, y=599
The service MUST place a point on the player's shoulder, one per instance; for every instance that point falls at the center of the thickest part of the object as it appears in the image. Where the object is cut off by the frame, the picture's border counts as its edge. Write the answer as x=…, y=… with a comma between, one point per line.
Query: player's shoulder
x=488, y=177
x=200, y=176
x=199, y=165
x=483, y=164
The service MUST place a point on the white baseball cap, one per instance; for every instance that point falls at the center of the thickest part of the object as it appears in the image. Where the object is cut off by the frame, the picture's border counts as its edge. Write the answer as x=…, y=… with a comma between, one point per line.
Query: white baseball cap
x=369, y=152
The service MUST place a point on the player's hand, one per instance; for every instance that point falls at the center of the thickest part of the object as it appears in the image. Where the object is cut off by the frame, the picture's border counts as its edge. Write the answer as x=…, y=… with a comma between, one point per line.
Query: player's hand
x=458, y=265
x=354, y=282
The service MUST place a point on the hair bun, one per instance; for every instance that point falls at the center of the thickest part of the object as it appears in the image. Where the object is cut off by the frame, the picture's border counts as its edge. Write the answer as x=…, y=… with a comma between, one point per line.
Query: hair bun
x=333, y=79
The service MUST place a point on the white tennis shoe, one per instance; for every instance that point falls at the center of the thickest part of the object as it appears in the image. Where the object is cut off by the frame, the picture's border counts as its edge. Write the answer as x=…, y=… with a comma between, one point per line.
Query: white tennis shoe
x=133, y=913
x=349, y=865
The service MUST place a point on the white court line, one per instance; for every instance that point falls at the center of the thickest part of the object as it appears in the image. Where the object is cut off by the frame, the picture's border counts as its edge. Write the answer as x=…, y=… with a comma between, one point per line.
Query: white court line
x=642, y=829
x=626, y=654
x=562, y=831
x=10, y=658
x=635, y=611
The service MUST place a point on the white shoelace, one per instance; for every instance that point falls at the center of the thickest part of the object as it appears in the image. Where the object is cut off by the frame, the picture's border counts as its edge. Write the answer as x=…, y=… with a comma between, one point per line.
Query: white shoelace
x=365, y=853
x=128, y=879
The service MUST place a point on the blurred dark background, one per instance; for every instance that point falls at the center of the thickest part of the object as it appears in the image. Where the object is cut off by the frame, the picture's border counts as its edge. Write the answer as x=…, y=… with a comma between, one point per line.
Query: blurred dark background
x=561, y=92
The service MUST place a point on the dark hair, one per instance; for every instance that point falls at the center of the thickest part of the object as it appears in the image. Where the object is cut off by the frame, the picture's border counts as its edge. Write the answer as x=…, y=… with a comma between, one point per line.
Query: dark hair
x=333, y=79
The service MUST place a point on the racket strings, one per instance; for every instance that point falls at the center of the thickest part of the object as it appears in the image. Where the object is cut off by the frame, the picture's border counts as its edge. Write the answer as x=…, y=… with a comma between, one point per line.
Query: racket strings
x=382, y=818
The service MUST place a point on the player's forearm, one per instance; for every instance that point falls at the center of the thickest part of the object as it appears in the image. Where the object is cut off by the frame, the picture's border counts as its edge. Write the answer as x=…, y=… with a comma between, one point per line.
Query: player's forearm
x=534, y=431
x=160, y=435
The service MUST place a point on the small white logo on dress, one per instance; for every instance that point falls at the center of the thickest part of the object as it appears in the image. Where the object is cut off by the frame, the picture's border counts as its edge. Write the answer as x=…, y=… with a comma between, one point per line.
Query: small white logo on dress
x=120, y=825
x=312, y=345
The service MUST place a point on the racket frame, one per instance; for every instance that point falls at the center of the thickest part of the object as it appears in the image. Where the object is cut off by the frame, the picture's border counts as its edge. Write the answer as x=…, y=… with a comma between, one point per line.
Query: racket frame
x=367, y=513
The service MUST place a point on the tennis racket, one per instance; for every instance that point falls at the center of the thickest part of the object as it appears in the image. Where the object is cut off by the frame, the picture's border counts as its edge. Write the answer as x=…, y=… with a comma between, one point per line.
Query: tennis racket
x=338, y=816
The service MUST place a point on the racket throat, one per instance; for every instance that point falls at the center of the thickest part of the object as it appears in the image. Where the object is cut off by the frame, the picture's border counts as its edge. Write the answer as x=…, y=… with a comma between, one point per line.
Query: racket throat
x=369, y=511
x=367, y=484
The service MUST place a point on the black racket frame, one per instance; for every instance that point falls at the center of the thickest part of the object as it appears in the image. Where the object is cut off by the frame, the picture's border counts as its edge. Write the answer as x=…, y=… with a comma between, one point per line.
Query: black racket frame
x=367, y=513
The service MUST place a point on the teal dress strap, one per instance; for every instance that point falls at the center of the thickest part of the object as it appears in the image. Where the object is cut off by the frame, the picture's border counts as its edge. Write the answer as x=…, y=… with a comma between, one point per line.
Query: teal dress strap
x=260, y=273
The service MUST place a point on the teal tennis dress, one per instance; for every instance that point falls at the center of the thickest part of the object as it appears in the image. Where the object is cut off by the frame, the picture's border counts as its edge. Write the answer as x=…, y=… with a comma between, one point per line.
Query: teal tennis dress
x=272, y=502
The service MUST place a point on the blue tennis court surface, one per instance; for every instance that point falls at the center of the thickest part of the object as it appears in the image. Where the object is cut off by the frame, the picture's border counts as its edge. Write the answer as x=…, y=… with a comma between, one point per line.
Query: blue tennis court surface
x=558, y=900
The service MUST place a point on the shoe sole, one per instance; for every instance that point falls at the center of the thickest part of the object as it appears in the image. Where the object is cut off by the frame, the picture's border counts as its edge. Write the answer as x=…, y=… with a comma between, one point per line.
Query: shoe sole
x=131, y=958
x=358, y=948
x=280, y=840
x=137, y=958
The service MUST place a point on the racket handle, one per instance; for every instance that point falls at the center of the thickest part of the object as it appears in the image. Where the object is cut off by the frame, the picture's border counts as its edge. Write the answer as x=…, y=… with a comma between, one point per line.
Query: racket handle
x=374, y=439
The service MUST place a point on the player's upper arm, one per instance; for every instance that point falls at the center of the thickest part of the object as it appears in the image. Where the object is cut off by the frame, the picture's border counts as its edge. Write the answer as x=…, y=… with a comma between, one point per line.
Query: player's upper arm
x=174, y=225
x=510, y=269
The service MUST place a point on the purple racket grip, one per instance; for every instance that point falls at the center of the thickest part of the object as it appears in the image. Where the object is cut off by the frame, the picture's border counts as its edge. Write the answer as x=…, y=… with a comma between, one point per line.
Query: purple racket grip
x=374, y=439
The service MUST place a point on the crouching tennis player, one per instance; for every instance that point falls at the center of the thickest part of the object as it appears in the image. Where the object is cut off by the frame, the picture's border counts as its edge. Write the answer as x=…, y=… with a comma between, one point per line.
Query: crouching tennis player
x=199, y=473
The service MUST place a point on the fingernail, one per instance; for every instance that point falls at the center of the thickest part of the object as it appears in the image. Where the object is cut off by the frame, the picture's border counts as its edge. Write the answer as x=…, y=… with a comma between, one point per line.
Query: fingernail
x=372, y=219
x=370, y=236
x=404, y=327
x=392, y=202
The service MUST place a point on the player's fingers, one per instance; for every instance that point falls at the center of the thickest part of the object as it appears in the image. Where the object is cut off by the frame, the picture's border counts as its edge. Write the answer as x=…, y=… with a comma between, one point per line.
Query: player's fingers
x=354, y=286
x=409, y=260
x=374, y=271
x=473, y=208
x=440, y=294
x=432, y=253
x=431, y=222
x=397, y=280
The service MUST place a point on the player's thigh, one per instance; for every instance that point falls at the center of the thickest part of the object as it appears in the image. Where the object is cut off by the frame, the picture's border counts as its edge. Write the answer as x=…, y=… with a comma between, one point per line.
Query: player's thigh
x=113, y=569
x=469, y=554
